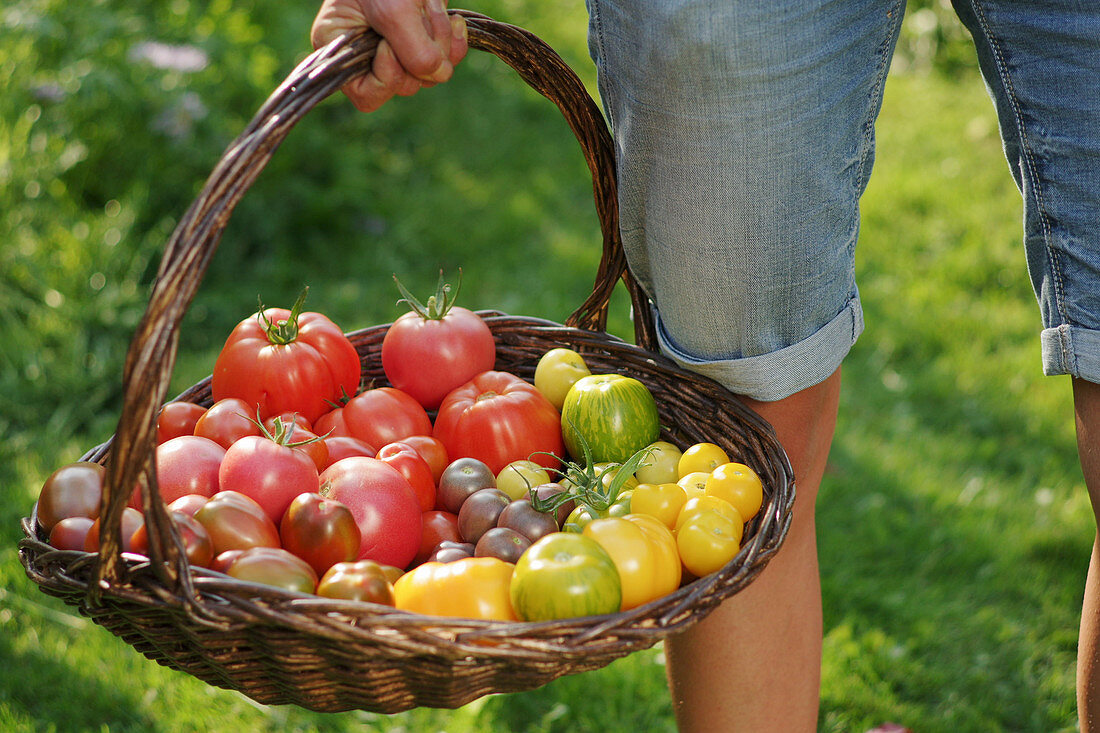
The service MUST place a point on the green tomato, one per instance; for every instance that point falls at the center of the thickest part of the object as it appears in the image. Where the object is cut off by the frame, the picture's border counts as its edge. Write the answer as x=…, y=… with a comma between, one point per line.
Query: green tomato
x=565, y=575
x=518, y=478
x=659, y=465
x=615, y=415
x=556, y=372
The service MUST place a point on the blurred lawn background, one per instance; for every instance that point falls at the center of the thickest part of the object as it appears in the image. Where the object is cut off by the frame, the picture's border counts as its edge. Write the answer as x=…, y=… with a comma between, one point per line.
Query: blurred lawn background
x=953, y=521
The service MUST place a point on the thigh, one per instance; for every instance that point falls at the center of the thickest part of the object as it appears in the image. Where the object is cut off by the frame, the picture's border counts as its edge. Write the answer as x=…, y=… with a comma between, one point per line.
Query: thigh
x=1041, y=62
x=745, y=136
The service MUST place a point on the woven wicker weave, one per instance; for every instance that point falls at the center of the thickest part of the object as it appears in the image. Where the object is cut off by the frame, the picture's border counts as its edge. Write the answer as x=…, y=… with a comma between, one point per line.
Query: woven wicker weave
x=281, y=647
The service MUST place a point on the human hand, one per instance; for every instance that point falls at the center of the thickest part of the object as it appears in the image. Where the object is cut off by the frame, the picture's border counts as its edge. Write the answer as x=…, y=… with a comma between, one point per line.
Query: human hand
x=420, y=46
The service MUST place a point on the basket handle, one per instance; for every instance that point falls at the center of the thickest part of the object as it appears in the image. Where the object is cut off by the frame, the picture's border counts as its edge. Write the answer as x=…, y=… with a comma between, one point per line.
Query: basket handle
x=151, y=356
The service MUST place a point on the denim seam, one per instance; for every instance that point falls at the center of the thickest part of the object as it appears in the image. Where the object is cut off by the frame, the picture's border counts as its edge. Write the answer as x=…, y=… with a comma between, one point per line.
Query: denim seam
x=1029, y=157
x=884, y=66
x=601, y=49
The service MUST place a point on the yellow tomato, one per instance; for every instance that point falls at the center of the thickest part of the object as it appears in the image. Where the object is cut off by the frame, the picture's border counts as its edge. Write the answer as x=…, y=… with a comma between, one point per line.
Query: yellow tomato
x=708, y=503
x=707, y=541
x=739, y=485
x=695, y=483
x=518, y=478
x=662, y=501
x=474, y=587
x=636, y=558
x=704, y=457
x=557, y=371
x=660, y=464
x=667, y=571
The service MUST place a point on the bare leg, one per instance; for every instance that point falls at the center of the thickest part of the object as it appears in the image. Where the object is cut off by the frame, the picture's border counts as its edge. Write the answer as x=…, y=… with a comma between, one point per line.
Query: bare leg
x=754, y=664
x=1086, y=400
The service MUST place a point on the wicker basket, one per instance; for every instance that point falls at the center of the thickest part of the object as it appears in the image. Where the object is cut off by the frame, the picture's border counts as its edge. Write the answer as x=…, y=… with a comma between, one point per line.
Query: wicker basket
x=281, y=647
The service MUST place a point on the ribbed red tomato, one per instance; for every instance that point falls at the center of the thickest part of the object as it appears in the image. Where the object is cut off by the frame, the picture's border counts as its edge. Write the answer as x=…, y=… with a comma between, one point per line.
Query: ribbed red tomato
x=498, y=418
x=287, y=361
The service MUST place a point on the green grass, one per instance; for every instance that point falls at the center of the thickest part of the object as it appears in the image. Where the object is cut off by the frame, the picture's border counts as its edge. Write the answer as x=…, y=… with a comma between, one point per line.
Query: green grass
x=954, y=525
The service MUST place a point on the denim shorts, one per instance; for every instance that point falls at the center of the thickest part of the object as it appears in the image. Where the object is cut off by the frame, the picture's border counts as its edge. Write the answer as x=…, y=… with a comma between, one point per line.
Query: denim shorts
x=745, y=138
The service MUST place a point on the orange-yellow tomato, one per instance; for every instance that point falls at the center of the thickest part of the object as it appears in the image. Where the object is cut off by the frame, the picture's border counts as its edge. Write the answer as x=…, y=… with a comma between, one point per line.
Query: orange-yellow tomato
x=695, y=483
x=703, y=457
x=662, y=501
x=639, y=562
x=474, y=587
x=667, y=572
x=707, y=540
x=739, y=485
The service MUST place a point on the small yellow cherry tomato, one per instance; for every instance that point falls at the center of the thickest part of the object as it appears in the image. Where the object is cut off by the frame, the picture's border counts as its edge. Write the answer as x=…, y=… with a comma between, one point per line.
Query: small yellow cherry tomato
x=519, y=477
x=660, y=464
x=707, y=541
x=662, y=501
x=739, y=485
x=557, y=371
x=703, y=457
x=695, y=483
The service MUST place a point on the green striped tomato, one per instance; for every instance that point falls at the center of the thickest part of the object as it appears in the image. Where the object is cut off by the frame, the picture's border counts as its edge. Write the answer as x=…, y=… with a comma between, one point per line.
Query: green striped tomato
x=615, y=415
x=565, y=575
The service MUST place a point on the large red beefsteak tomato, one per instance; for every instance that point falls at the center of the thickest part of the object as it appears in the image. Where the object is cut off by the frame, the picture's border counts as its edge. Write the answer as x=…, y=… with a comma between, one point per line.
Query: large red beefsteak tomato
x=287, y=361
x=498, y=418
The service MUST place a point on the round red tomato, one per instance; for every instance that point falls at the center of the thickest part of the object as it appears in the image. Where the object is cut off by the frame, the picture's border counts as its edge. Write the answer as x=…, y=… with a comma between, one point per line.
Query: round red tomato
x=186, y=465
x=383, y=504
x=176, y=419
x=345, y=446
x=227, y=421
x=268, y=473
x=436, y=347
x=432, y=451
x=235, y=522
x=286, y=361
x=415, y=470
x=498, y=418
x=384, y=415
x=439, y=526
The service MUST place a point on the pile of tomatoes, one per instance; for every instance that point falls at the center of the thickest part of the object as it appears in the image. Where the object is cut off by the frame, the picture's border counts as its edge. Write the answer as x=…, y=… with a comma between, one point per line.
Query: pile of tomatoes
x=455, y=490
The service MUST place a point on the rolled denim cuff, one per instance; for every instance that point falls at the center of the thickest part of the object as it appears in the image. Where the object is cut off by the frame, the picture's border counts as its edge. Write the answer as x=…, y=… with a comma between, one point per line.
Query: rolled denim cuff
x=1073, y=350
x=781, y=373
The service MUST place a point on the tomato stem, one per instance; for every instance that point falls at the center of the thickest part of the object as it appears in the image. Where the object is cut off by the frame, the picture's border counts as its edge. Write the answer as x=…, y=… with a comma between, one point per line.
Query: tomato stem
x=286, y=331
x=438, y=304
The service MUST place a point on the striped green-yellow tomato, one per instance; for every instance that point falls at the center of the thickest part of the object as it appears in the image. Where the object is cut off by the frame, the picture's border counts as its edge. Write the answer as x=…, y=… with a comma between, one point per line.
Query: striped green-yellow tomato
x=565, y=575
x=614, y=415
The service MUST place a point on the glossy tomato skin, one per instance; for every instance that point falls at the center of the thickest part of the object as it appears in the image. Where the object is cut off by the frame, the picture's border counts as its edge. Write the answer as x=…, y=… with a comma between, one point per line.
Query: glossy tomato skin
x=432, y=451
x=176, y=419
x=384, y=507
x=438, y=526
x=362, y=580
x=498, y=418
x=318, y=365
x=384, y=415
x=132, y=520
x=614, y=414
x=565, y=575
x=70, y=533
x=344, y=446
x=268, y=473
x=473, y=587
x=196, y=540
x=321, y=531
x=227, y=421
x=461, y=478
x=235, y=522
x=274, y=566
x=429, y=357
x=414, y=468
x=186, y=465
x=73, y=490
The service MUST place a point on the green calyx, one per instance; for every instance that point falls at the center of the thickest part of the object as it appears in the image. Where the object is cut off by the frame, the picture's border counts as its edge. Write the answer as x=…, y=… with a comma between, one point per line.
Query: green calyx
x=438, y=304
x=585, y=483
x=285, y=331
